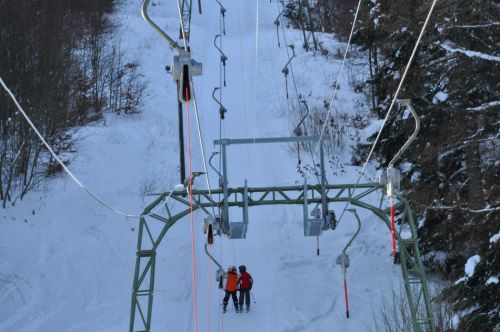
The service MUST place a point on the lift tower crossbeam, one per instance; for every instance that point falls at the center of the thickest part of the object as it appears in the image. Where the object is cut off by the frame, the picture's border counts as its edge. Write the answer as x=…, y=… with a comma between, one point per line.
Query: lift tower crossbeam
x=154, y=226
x=266, y=140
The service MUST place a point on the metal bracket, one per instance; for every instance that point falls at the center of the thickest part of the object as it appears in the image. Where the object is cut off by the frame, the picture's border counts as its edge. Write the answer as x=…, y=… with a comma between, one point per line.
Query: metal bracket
x=392, y=177
x=238, y=230
x=222, y=109
x=183, y=69
x=298, y=131
x=312, y=227
x=145, y=16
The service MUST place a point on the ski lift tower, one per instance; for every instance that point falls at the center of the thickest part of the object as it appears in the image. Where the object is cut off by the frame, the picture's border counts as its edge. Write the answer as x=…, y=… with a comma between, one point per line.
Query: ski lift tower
x=323, y=220
x=307, y=26
x=185, y=11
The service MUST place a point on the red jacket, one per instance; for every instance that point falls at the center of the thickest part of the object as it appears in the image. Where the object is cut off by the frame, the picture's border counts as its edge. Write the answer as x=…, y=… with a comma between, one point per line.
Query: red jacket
x=245, y=281
x=232, y=282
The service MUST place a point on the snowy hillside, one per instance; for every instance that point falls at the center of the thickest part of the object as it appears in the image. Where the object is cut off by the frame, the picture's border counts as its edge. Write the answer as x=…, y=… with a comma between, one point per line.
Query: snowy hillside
x=67, y=262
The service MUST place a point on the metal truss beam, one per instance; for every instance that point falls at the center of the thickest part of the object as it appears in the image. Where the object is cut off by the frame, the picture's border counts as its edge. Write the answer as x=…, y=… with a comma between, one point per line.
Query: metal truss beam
x=185, y=6
x=158, y=217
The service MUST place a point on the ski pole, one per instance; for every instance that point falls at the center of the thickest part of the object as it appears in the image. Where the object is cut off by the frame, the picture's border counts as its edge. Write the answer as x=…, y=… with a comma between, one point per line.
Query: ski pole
x=253, y=297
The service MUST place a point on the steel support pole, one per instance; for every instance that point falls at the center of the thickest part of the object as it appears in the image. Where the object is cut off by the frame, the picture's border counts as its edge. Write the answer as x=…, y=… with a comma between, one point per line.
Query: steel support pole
x=324, y=206
x=181, y=138
x=225, y=210
x=311, y=29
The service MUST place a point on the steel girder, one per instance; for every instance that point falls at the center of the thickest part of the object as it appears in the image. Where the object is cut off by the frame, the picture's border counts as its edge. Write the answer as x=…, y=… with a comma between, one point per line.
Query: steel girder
x=185, y=8
x=154, y=225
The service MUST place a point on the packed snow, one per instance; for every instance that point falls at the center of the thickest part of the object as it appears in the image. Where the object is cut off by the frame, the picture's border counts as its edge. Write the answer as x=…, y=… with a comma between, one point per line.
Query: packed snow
x=67, y=262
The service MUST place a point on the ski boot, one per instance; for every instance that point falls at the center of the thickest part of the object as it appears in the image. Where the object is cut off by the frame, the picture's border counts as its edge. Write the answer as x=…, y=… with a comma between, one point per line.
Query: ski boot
x=248, y=308
x=224, y=308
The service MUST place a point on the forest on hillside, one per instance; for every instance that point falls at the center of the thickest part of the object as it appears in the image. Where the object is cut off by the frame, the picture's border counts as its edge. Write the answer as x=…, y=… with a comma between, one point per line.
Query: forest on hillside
x=451, y=174
x=62, y=62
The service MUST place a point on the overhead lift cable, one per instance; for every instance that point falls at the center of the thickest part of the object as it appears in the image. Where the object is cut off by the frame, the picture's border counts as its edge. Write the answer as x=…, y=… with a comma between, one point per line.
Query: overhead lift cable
x=200, y=137
x=394, y=99
x=171, y=43
x=191, y=219
x=223, y=17
x=277, y=22
x=297, y=95
x=337, y=82
x=223, y=57
x=59, y=161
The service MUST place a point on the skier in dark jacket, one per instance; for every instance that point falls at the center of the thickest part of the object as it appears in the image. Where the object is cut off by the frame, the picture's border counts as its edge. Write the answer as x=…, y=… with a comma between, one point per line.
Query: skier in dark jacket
x=245, y=283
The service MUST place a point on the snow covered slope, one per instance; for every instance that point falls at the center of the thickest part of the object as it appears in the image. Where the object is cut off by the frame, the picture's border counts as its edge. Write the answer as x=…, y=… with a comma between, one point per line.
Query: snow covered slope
x=67, y=263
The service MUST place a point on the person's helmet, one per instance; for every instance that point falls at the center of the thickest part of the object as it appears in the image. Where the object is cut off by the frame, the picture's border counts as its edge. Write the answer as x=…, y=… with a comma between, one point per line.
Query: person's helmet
x=231, y=268
x=242, y=268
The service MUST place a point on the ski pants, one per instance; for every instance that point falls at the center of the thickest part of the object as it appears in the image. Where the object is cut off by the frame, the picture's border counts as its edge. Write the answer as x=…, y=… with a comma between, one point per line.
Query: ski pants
x=226, y=299
x=245, y=297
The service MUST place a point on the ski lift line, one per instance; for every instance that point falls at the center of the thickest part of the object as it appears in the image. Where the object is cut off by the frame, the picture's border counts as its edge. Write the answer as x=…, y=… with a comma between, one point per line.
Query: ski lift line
x=277, y=22
x=209, y=297
x=61, y=163
x=209, y=300
x=293, y=78
x=222, y=18
x=256, y=67
x=334, y=94
x=220, y=325
x=288, y=54
x=191, y=216
x=202, y=145
x=392, y=102
x=222, y=30
x=145, y=16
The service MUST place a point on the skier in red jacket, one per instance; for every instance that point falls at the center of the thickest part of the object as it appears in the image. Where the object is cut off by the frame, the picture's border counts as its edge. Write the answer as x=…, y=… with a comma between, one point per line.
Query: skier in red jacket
x=231, y=287
x=245, y=283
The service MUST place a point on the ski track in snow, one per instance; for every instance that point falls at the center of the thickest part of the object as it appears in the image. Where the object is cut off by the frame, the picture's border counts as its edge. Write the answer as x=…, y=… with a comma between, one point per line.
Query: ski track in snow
x=69, y=267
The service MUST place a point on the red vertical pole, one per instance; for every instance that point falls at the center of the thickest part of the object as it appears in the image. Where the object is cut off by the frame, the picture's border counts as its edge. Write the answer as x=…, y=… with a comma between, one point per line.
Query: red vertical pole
x=345, y=295
x=393, y=227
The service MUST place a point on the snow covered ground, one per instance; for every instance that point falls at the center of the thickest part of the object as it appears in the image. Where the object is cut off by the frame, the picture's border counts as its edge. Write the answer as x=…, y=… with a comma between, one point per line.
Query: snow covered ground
x=67, y=262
